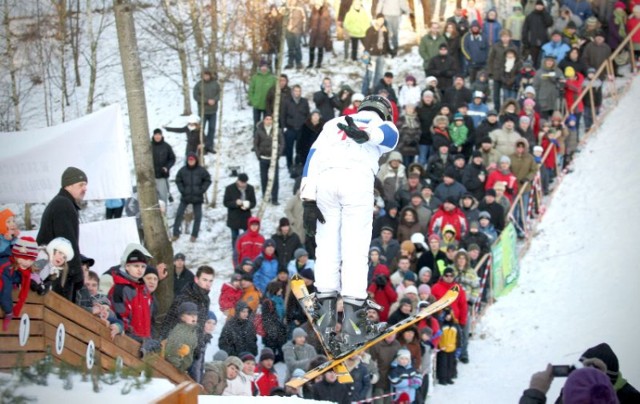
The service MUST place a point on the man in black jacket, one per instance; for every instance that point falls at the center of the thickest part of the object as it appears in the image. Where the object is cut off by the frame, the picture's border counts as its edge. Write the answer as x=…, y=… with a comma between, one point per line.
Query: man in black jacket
x=239, y=198
x=295, y=113
x=443, y=67
x=61, y=219
x=192, y=181
x=163, y=160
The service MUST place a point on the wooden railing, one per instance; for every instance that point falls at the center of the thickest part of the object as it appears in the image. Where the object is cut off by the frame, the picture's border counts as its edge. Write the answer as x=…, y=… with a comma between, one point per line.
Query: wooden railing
x=184, y=393
x=72, y=335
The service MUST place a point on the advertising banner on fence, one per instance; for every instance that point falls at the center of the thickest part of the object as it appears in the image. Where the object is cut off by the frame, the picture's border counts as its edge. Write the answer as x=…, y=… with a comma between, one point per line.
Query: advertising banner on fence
x=505, y=267
x=32, y=161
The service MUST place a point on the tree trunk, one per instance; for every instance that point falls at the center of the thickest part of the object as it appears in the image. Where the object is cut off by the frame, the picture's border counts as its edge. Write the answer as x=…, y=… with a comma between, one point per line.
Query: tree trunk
x=93, y=58
x=46, y=87
x=276, y=127
x=74, y=17
x=61, y=36
x=156, y=238
x=213, y=44
x=15, y=95
x=194, y=15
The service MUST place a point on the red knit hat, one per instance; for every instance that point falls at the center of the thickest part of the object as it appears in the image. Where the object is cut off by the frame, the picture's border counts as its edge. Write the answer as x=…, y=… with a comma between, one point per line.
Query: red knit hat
x=25, y=247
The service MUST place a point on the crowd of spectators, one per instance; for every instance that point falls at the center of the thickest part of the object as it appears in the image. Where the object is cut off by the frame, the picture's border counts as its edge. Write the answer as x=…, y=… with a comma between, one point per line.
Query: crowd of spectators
x=497, y=104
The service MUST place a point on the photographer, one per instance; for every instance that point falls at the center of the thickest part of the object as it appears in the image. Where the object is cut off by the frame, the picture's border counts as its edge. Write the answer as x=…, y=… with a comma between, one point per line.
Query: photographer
x=586, y=385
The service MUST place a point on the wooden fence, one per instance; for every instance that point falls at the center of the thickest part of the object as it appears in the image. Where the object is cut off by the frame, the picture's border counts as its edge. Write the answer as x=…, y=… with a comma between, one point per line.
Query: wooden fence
x=72, y=335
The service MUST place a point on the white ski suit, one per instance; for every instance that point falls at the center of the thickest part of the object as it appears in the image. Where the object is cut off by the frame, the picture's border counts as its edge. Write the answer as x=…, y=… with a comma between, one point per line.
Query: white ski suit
x=339, y=175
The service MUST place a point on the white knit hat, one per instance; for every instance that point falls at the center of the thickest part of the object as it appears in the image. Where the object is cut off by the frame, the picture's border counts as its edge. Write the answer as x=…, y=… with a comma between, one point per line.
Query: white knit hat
x=61, y=244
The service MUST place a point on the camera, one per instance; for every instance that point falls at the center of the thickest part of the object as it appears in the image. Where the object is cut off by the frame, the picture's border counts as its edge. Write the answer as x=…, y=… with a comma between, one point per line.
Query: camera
x=562, y=370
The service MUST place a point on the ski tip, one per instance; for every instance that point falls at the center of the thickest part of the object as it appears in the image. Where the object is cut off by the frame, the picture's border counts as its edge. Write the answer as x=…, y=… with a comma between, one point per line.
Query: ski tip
x=296, y=277
x=456, y=288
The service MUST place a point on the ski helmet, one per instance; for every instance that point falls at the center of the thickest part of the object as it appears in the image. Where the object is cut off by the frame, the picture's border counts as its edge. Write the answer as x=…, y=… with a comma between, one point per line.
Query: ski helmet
x=379, y=104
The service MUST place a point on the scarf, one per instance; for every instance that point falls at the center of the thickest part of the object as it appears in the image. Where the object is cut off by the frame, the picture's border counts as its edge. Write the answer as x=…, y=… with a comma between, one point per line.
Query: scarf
x=620, y=19
x=508, y=64
x=380, y=43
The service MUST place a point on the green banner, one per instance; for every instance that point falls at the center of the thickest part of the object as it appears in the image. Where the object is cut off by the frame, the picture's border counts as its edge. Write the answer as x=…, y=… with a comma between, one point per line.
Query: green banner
x=504, y=267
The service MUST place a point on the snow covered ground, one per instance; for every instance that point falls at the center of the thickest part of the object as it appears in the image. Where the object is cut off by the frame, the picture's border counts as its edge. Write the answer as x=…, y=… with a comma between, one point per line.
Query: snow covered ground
x=578, y=282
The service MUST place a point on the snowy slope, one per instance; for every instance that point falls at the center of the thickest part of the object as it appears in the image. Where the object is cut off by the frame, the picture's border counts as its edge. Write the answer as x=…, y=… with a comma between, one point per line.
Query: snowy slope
x=579, y=280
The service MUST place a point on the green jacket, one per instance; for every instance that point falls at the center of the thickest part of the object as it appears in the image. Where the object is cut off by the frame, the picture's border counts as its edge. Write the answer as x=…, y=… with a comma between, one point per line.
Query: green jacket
x=357, y=23
x=258, y=89
x=429, y=48
x=458, y=134
x=211, y=92
x=181, y=343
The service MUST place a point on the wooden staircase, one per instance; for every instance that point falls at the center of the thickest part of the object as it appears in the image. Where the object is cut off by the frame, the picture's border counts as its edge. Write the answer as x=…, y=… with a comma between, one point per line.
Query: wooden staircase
x=67, y=330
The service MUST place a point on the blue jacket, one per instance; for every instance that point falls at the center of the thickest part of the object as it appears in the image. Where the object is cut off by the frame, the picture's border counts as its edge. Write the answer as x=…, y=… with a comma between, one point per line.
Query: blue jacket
x=557, y=49
x=404, y=379
x=491, y=31
x=475, y=50
x=266, y=271
x=477, y=112
x=581, y=8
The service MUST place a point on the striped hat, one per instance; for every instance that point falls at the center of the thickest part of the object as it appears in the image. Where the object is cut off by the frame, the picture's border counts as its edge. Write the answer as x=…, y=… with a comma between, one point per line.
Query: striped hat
x=25, y=247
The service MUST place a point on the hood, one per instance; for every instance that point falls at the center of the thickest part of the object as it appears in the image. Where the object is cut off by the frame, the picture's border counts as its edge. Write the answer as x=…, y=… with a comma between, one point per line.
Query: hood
x=252, y=220
x=241, y=305
x=408, y=209
x=449, y=227
x=604, y=352
x=131, y=247
x=526, y=143
x=475, y=203
x=466, y=255
x=382, y=269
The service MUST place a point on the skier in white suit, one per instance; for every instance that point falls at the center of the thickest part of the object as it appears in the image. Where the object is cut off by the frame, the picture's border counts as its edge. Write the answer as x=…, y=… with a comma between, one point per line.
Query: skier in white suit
x=337, y=195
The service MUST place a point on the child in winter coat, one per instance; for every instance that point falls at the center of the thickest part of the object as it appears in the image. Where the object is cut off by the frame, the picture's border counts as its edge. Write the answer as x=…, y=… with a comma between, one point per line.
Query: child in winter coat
x=230, y=294
x=449, y=343
x=403, y=376
x=8, y=233
x=459, y=132
x=53, y=266
x=486, y=226
x=266, y=266
x=525, y=77
x=183, y=338
x=482, y=83
x=16, y=271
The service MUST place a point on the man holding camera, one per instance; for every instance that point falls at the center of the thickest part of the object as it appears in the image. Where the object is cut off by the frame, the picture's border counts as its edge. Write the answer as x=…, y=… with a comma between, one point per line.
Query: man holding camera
x=549, y=85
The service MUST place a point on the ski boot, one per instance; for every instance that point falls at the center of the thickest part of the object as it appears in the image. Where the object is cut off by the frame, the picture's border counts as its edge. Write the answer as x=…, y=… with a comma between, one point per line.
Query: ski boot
x=325, y=312
x=357, y=327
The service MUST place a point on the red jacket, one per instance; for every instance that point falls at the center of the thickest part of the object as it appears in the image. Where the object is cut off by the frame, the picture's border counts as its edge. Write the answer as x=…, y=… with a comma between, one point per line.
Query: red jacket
x=249, y=245
x=266, y=380
x=572, y=89
x=350, y=110
x=550, y=161
x=509, y=179
x=432, y=323
x=631, y=24
x=229, y=296
x=386, y=296
x=131, y=301
x=455, y=218
x=459, y=307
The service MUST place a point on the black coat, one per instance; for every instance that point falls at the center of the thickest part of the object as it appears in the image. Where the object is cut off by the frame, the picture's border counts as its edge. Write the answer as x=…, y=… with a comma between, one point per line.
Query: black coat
x=192, y=183
x=443, y=68
x=60, y=219
x=427, y=259
x=285, y=94
x=535, y=29
x=385, y=221
x=455, y=98
x=295, y=113
x=436, y=167
x=193, y=138
x=325, y=105
x=381, y=85
x=333, y=392
x=286, y=246
x=426, y=113
x=484, y=129
x=478, y=238
x=237, y=218
x=471, y=181
x=238, y=336
x=497, y=214
x=163, y=157
x=308, y=135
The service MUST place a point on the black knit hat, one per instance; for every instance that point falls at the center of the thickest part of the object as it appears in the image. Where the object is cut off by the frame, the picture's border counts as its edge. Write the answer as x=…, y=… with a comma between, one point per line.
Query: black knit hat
x=72, y=175
x=151, y=270
x=137, y=256
x=267, y=353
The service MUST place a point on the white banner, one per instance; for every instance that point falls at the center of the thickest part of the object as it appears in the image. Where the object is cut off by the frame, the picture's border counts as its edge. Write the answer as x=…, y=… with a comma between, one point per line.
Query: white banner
x=104, y=241
x=32, y=162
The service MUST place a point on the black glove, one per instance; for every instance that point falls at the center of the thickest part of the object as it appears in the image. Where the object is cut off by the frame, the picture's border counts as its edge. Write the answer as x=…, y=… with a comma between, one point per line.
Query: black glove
x=310, y=217
x=150, y=345
x=381, y=281
x=353, y=131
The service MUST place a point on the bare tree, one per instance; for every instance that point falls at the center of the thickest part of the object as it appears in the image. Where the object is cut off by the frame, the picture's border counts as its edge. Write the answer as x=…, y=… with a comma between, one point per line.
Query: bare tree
x=92, y=59
x=74, y=38
x=213, y=44
x=15, y=95
x=61, y=36
x=156, y=237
